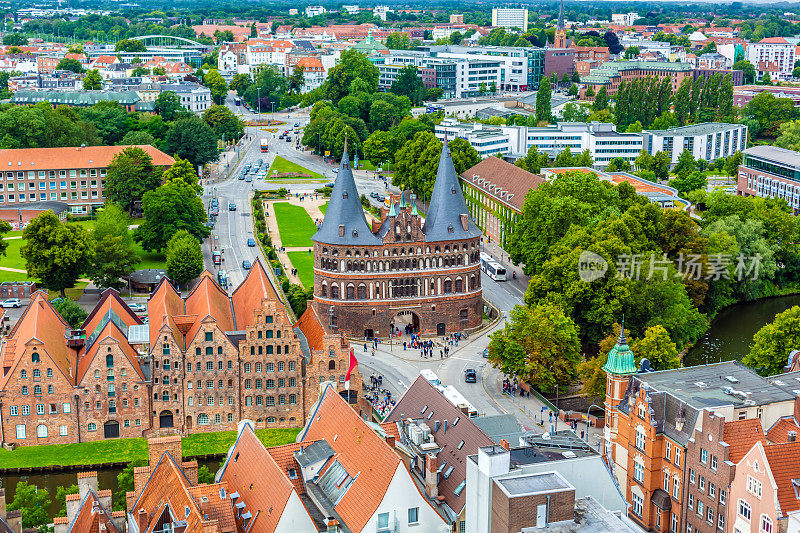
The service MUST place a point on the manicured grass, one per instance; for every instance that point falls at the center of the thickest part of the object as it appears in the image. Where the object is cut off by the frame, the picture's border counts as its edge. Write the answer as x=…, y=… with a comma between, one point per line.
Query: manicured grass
x=73, y=293
x=365, y=164
x=294, y=224
x=13, y=257
x=324, y=207
x=126, y=450
x=5, y=275
x=304, y=263
x=149, y=260
x=284, y=165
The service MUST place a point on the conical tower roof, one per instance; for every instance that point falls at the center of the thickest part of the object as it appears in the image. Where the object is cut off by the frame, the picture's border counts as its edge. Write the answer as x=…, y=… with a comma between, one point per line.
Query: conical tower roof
x=444, y=219
x=620, y=359
x=560, y=25
x=345, y=212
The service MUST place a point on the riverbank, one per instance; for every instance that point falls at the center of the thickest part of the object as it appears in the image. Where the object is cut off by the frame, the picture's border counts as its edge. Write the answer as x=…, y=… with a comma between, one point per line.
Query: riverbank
x=113, y=452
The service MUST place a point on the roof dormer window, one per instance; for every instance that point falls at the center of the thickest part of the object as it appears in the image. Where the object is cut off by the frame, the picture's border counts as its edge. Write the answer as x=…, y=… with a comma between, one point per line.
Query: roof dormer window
x=344, y=195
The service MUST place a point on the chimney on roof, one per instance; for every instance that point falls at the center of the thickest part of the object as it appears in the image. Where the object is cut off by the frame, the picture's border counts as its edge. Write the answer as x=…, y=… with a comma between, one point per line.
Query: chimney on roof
x=504, y=443
x=142, y=520
x=390, y=441
x=431, y=476
x=792, y=436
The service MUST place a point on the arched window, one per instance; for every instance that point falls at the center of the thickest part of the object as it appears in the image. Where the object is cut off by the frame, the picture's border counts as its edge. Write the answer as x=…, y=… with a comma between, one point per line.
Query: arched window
x=766, y=524
x=41, y=432
x=49, y=372
x=109, y=360
x=459, y=285
x=91, y=426
x=472, y=283
x=744, y=509
x=335, y=292
x=351, y=293
x=332, y=364
x=324, y=290
x=203, y=420
x=37, y=390
x=35, y=357
x=217, y=418
x=448, y=286
x=270, y=420
x=37, y=373
x=23, y=374
x=362, y=292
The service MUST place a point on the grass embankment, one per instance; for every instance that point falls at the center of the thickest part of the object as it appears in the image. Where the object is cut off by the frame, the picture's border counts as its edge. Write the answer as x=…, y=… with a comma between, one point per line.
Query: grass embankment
x=126, y=450
x=294, y=224
x=304, y=263
x=324, y=207
x=281, y=165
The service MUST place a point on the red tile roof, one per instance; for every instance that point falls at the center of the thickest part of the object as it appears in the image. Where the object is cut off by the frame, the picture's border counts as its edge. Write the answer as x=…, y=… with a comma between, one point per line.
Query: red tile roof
x=72, y=157
x=262, y=484
x=495, y=177
x=784, y=462
x=208, y=299
x=91, y=514
x=247, y=296
x=110, y=299
x=741, y=435
x=779, y=432
x=284, y=457
x=164, y=304
x=362, y=453
x=312, y=328
x=41, y=322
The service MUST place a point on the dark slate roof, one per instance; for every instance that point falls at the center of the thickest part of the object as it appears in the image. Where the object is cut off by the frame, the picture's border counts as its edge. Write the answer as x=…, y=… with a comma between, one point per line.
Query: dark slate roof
x=344, y=209
x=443, y=221
x=314, y=452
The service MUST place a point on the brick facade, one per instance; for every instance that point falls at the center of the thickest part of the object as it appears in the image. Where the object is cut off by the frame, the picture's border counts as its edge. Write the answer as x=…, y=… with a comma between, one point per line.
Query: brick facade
x=510, y=515
x=361, y=290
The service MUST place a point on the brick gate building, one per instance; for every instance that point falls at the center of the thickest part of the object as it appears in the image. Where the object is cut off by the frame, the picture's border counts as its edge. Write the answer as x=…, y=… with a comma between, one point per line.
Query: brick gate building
x=425, y=273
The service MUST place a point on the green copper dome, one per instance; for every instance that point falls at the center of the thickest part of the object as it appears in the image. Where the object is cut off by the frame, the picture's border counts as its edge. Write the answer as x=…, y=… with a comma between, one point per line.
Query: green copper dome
x=620, y=358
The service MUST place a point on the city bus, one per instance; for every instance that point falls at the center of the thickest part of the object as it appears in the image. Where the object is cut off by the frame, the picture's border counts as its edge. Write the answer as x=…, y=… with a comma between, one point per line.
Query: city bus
x=431, y=376
x=264, y=145
x=492, y=268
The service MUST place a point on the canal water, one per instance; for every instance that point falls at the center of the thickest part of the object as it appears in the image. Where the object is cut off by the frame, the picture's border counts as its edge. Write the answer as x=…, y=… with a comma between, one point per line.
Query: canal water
x=731, y=333
x=106, y=479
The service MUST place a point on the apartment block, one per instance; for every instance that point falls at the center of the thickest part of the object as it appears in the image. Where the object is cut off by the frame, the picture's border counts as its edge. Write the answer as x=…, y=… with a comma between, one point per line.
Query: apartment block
x=770, y=172
x=510, y=18
x=73, y=175
x=707, y=141
x=773, y=55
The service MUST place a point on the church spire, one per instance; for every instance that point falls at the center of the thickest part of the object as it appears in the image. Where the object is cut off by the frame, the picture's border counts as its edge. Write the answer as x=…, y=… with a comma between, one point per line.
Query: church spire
x=560, y=25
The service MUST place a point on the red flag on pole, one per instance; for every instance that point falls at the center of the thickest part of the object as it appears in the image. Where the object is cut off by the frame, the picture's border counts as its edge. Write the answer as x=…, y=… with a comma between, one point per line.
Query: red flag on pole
x=350, y=368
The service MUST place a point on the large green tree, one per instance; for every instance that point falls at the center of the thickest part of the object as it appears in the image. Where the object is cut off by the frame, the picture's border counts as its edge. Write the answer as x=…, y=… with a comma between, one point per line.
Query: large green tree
x=217, y=85
x=408, y=83
x=92, y=81
x=224, y=122
x=417, y=161
x=543, y=96
x=34, y=504
x=131, y=174
x=192, y=139
x=773, y=343
x=657, y=347
x=769, y=112
x=167, y=210
x=352, y=65
x=56, y=253
x=182, y=173
x=184, y=257
x=538, y=345
x=114, y=256
x=168, y=105
x=240, y=83
x=70, y=64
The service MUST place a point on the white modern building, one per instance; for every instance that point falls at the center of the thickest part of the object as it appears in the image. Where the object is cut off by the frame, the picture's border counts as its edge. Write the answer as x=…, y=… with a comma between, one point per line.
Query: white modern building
x=194, y=97
x=504, y=17
x=624, y=18
x=775, y=55
x=313, y=11
x=487, y=140
x=273, y=52
x=708, y=141
x=381, y=12
x=350, y=9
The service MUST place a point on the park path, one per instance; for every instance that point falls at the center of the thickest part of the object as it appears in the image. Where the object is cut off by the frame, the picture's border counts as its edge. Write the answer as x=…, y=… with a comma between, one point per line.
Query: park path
x=312, y=206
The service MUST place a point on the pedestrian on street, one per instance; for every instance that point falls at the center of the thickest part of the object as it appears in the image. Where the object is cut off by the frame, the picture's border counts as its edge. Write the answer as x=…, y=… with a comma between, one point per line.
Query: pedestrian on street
x=365, y=347
x=373, y=352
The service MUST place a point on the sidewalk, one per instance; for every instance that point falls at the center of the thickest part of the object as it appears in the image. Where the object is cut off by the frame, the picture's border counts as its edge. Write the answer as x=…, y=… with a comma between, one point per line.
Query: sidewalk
x=521, y=282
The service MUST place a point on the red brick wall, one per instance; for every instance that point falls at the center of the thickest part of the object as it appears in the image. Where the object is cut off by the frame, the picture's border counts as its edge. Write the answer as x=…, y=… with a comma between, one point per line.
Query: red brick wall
x=510, y=515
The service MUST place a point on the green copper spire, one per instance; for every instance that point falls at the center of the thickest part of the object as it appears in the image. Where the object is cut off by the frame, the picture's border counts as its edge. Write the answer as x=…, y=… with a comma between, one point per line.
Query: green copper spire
x=392, y=212
x=620, y=358
x=402, y=200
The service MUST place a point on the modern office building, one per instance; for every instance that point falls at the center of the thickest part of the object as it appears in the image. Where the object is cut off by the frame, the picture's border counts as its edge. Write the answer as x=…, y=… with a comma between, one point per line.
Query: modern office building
x=611, y=73
x=707, y=141
x=510, y=18
x=770, y=172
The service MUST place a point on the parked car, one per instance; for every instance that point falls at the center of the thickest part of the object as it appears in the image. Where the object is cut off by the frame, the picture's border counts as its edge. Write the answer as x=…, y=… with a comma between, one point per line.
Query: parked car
x=231, y=206
x=485, y=353
x=137, y=308
x=251, y=242
x=470, y=376
x=373, y=194
x=246, y=264
x=249, y=178
x=12, y=302
x=242, y=175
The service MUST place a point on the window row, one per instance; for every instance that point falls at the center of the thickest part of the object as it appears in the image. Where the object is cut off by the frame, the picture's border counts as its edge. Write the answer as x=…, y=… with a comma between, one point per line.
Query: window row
x=42, y=432
x=403, y=251
x=52, y=409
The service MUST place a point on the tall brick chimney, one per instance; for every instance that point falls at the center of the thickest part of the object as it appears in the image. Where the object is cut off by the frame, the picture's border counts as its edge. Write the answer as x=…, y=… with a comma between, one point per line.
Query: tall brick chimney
x=158, y=446
x=86, y=481
x=431, y=477
x=142, y=519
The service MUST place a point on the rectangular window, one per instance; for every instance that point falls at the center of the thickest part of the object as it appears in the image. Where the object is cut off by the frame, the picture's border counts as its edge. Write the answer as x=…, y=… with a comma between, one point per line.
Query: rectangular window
x=673, y=523
x=636, y=507
x=714, y=463
x=677, y=456
x=14, y=410
x=691, y=475
x=62, y=430
x=690, y=502
x=413, y=515
x=754, y=486
x=676, y=492
x=21, y=432
x=703, y=456
x=638, y=471
x=722, y=496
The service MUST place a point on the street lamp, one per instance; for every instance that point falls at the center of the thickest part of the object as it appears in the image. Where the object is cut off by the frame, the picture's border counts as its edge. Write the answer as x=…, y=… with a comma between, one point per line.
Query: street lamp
x=587, y=422
x=259, y=103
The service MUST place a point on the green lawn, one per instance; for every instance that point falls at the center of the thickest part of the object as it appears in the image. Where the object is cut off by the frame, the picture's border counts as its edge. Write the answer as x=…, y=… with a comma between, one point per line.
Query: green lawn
x=284, y=165
x=294, y=223
x=365, y=164
x=5, y=275
x=149, y=260
x=125, y=450
x=13, y=257
x=324, y=207
x=304, y=263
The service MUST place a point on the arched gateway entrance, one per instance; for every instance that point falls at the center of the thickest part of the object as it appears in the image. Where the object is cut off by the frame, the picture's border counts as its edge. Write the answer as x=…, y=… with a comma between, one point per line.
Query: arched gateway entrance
x=406, y=322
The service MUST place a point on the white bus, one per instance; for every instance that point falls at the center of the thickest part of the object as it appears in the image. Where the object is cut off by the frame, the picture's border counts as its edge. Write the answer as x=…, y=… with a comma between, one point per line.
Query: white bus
x=431, y=376
x=492, y=268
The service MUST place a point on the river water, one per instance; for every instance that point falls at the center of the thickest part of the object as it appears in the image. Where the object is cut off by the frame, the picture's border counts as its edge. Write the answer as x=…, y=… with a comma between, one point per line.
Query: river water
x=106, y=479
x=731, y=334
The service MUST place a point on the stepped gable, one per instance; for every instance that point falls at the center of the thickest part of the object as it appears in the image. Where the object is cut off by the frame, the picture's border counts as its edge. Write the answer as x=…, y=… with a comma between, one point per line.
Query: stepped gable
x=248, y=295
x=448, y=218
x=344, y=222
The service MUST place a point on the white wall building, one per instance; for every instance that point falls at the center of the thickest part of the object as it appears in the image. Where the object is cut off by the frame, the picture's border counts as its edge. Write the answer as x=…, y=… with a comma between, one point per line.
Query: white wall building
x=351, y=9
x=510, y=18
x=708, y=141
x=274, y=52
x=774, y=55
x=313, y=11
x=381, y=12
x=624, y=18
x=194, y=97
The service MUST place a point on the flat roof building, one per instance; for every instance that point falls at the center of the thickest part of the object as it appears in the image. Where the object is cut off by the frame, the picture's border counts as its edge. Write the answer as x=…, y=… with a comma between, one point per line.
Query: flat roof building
x=770, y=172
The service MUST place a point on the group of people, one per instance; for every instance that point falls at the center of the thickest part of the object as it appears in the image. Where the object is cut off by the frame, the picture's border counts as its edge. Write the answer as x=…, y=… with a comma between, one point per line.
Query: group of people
x=381, y=399
x=511, y=387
